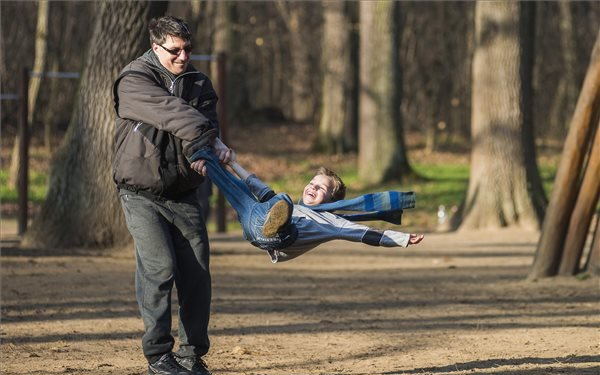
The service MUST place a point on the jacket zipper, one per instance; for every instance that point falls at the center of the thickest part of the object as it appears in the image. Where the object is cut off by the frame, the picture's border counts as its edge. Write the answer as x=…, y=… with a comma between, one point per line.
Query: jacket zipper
x=174, y=81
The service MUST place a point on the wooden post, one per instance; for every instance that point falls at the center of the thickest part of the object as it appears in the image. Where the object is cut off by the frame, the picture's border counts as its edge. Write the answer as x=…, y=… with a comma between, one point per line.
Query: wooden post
x=583, y=212
x=222, y=111
x=23, y=177
x=564, y=191
x=593, y=261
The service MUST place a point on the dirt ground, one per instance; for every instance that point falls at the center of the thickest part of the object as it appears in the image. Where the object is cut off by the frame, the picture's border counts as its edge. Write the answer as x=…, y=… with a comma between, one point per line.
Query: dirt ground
x=455, y=304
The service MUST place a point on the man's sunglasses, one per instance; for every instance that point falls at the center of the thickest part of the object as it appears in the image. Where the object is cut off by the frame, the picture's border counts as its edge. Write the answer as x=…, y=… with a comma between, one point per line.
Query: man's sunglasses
x=177, y=51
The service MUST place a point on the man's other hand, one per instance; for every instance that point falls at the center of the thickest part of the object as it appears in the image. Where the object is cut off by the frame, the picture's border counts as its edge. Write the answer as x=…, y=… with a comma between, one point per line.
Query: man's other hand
x=199, y=166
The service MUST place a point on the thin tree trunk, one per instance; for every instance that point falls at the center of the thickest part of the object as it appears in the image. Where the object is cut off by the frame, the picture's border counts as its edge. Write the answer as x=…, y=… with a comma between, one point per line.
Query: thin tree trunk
x=564, y=191
x=503, y=187
x=81, y=207
x=41, y=47
x=226, y=39
x=568, y=46
x=338, y=80
x=298, y=22
x=382, y=153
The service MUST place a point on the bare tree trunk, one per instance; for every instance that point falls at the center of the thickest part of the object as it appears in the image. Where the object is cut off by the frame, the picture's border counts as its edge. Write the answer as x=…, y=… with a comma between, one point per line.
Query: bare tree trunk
x=564, y=191
x=298, y=20
x=583, y=212
x=382, y=153
x=41, y=47
x=338, y=118
x=568, y=45
x=226, y=39
x=81, y=207
x=504, y=185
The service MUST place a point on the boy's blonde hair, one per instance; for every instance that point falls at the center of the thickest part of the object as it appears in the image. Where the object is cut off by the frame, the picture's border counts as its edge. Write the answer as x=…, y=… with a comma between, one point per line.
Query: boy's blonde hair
x=339, y=189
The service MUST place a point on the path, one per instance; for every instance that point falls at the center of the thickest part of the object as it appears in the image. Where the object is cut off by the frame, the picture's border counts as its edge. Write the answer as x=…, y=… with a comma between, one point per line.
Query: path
x=456, y=304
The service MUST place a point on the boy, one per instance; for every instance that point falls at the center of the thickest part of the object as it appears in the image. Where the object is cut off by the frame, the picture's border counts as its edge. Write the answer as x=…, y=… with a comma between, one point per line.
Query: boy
x=285, y=230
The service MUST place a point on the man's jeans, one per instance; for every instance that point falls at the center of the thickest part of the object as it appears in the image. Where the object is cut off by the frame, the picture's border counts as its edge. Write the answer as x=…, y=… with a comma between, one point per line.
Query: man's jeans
x=171, y=247
x=251, y=212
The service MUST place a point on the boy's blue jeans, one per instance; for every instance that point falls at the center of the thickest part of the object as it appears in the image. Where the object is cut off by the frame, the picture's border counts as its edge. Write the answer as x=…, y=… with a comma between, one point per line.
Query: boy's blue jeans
x=251, y=212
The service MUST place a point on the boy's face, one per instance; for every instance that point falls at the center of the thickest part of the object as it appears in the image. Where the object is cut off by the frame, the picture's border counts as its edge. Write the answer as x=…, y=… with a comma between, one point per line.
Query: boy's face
x=318, y=191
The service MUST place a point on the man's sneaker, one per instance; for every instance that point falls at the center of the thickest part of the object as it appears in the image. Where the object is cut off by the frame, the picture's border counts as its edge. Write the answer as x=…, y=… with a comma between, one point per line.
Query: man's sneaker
x=196, y=365
x=167, y=365
x=277, y=217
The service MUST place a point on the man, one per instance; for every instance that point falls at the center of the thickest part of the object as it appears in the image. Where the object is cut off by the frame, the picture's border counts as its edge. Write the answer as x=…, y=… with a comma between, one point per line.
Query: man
x=165, y=111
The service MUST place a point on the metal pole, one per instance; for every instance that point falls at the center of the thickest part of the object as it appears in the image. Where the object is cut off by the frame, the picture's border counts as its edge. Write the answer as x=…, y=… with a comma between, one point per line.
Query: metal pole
x=23, y=153
x=222, y=111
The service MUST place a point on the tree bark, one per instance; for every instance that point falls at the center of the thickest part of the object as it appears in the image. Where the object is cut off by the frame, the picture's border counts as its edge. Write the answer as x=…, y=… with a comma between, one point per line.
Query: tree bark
x=81, y=207
x=338, y=99
x=504, y=184
x=567, y=179
x=583, y=212
x=382, y=153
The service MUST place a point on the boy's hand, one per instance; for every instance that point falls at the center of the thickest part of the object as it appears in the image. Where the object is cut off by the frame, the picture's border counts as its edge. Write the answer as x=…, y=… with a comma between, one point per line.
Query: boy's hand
x=415, y=238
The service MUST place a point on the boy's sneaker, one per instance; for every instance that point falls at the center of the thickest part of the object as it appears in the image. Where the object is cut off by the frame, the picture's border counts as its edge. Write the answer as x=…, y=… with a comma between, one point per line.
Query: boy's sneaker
x=277, y=217
x=167, y=365
x=196, y=365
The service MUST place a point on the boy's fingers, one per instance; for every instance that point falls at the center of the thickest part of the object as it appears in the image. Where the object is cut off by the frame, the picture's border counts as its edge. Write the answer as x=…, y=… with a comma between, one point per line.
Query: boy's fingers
x=416, y=238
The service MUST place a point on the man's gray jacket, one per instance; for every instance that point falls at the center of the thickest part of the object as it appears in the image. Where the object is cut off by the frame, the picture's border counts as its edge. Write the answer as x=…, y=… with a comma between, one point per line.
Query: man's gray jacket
x=161, y=118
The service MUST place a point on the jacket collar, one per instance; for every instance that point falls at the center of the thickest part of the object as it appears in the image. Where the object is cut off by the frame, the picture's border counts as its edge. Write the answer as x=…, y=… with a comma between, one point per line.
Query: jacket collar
x=150, y=58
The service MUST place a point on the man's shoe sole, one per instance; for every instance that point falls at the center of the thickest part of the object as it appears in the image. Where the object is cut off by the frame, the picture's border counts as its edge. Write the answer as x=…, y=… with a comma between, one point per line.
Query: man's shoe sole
x=277, y=217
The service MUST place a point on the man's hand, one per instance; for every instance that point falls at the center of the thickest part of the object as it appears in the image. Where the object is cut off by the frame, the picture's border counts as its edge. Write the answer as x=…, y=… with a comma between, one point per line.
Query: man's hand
x=224, y=153
x=199, y=167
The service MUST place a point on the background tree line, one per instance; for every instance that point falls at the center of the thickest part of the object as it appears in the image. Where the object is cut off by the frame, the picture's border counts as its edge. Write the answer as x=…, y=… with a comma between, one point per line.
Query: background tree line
x=494, y=78
x=277, y=65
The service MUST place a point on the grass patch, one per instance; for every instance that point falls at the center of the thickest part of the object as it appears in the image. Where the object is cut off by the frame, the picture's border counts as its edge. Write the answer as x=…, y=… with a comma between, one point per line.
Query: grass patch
x=37, y=187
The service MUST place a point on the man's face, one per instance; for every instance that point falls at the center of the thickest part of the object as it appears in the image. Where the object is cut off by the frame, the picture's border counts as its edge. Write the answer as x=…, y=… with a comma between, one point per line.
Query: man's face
x=174, y=54
x=317, y=191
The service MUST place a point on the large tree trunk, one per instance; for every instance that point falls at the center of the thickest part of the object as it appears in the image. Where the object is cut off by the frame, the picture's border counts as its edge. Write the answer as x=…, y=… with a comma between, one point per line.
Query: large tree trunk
x=81, y=207
x=39, y=63
x=566, y=183
x=382, y=153
x=504, y=184
x=339, y=100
